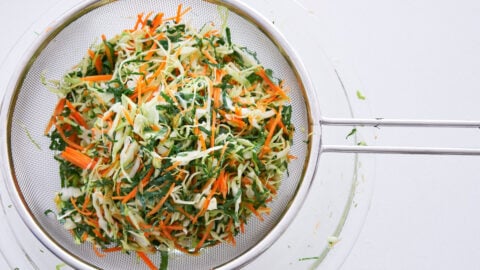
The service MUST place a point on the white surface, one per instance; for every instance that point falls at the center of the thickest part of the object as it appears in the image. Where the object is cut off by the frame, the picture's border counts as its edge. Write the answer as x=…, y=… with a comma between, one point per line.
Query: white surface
x=415, y=59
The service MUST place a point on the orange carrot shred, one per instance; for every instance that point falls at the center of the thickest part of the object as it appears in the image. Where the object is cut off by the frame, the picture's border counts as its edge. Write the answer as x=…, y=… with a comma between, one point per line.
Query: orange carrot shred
x=205, y=236
x=97, y=252
x=77, y=158
x=146, y=260
x=112, y=249
x=179, y=14
x=97, y=78
x=162, y=201
x=143, y=182
x=66, y=139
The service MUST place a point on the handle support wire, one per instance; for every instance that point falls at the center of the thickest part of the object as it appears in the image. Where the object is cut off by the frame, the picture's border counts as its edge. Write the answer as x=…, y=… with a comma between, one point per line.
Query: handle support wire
x=381, y=122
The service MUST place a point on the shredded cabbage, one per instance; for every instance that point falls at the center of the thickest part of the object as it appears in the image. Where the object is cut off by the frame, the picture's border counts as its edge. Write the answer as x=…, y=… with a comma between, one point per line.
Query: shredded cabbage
x=168, y=138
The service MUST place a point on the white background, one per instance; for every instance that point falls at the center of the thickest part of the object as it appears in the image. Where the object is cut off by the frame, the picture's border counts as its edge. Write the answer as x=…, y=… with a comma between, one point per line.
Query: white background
x=414, y=59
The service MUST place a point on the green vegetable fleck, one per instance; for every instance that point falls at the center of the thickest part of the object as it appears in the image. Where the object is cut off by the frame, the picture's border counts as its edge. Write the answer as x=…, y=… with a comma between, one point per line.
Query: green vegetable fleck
x=360, y=95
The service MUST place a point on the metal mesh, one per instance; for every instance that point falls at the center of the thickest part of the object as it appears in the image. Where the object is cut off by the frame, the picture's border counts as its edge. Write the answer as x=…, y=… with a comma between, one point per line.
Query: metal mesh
x=35, y=172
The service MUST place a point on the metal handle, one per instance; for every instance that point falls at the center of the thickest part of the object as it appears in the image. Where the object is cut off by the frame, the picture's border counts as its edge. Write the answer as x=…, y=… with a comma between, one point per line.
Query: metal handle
x=381, y=122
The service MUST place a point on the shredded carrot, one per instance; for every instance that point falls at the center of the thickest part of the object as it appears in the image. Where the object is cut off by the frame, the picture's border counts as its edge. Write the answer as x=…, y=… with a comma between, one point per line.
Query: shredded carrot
x=85, y=202
x=77, y=158
x=108, y=53
x=73, y=200
x=107, y=116
x=276, y=88
x=97, y=78
x=76, y=115
x=147, y=17
x=179, y=14
x=157, y=71
x=157, y=20
x=97, y=252
x=139, y=21
x=143, y=183
x=162, y=201
x=112, y=249
x=97, y=61
x=67, y=140
x=205, y=236
x=151, y=52
x=271, y=132
x=173, y=166
x=177, y=18
x=128, y=117
x=222, y=186
x=181, y=210
x=147, y=261
x=58, y=110
x=209, y=57
x=84, y=236
x=207, y=200
x=91, y=54
x=253, y=210
x=212, y=135
x=230, y=237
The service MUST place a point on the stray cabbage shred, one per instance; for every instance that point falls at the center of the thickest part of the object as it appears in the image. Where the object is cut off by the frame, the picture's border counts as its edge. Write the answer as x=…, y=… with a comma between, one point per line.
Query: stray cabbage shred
x=167, y=137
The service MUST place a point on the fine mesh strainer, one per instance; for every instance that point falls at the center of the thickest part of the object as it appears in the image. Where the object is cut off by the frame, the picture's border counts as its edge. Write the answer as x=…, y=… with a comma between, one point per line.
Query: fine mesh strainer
x=32, y=175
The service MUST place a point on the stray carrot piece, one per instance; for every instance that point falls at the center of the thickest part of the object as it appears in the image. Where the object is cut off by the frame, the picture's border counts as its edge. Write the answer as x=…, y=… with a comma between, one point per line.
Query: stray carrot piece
x=145, y=20
x=242, y=226
x=84, y=236
x=97, y=78
x=254, y=211
x=97, y=252
x=179, y=14
x=91, y=54
x=112, y=249
x=146, y=260
x=138, y=22
x=157, y=20
x=291, y=157
x=57, y=111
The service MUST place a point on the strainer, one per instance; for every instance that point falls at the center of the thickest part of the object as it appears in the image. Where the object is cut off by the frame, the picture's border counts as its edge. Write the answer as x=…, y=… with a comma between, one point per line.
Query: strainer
x=32, y=175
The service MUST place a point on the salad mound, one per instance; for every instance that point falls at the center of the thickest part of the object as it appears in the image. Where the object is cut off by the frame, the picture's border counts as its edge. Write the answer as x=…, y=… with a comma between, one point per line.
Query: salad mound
x=167, y=137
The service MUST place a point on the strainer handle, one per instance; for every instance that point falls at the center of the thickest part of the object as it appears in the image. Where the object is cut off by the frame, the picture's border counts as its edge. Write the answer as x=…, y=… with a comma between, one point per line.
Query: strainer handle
x=381, y=122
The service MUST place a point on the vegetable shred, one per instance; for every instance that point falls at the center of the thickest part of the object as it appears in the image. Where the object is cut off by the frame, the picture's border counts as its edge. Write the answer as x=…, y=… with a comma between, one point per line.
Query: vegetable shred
x=167, y=138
